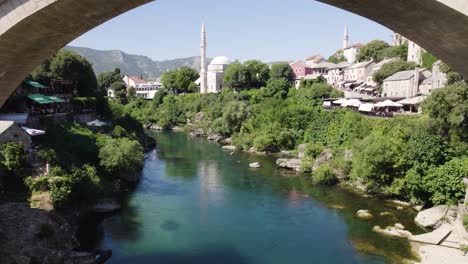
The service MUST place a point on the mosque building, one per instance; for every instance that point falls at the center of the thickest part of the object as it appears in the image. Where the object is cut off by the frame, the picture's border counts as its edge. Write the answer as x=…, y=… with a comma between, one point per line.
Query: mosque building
x=211, y=79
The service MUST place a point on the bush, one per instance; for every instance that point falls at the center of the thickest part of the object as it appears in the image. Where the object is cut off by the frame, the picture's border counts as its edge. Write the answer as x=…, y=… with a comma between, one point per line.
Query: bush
x=60, y=192
x=121, y=155
x=13, y=156
x=445, y=183
x=465, y=221
x=324, y=175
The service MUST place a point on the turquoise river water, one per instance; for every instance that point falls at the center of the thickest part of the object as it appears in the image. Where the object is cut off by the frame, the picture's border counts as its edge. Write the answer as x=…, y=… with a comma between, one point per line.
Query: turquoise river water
x=196, y=203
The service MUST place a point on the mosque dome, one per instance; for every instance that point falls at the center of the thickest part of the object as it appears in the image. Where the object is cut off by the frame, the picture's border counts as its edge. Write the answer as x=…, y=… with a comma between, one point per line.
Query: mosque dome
x=220, y=60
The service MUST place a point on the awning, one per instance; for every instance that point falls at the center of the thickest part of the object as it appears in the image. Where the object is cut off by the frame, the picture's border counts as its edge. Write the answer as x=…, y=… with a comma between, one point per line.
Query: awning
x=39, y=98
x=340, y=101
x=36, y=84
x=412, y=101
x=33, y=132
x=366, y=107
x=55, y=99
x=388, y=103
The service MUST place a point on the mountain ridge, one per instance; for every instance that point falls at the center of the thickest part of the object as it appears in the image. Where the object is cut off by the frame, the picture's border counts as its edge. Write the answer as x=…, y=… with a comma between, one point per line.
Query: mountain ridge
x=131, y=64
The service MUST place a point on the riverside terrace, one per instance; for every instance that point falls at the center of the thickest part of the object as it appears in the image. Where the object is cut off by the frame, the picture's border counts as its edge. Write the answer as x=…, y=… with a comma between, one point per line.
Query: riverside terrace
x=380, y=107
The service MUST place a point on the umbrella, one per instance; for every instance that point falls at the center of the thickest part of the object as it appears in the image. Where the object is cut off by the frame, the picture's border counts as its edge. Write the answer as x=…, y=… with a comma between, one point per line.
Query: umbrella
x=33, y=132
x=388, y=103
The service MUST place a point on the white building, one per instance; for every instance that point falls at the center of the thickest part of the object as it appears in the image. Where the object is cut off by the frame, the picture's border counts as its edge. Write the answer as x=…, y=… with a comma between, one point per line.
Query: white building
x=148, y=90
x=415, y=53
x=336, y=73
x=132, y=81
x=216, y=74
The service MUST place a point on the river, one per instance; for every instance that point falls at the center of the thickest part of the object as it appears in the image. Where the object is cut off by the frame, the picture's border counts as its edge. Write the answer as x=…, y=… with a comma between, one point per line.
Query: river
x=196, y=203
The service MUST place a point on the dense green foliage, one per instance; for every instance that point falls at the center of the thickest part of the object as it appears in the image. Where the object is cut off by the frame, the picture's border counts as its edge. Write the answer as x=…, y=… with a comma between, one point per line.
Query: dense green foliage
x=372, y=51
x=12, y=156
x=252, y=74
x=106, y=79
x=68, y=65
x=337, y=57
x=281, y=71
x=71, y=149
x=181, y=80
x=388, y=69
x=428, y=60
x=417, y=158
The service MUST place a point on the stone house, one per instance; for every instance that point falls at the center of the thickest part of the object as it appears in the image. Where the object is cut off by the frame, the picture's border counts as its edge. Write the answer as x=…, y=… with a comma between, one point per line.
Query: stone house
x=439, y=79
x=358, y=72
x=11, y=132
x=405, y=83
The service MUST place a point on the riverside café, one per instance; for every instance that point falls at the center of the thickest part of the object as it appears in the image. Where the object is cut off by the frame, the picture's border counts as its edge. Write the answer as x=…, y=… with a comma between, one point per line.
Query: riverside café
x=40, y=104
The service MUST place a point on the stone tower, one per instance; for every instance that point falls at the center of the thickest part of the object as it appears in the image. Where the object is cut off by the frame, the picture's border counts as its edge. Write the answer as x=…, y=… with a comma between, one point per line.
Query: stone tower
x=346, y=38
x=203, y=74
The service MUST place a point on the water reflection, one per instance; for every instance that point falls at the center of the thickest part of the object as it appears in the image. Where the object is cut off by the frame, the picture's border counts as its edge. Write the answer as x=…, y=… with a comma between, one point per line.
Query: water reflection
x=198, y=204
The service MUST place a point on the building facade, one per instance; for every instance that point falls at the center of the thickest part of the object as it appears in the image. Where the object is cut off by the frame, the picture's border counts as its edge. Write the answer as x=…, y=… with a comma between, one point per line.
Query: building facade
x=358, y=72
x=148, y=90
x=216, y=71
x=132, y=81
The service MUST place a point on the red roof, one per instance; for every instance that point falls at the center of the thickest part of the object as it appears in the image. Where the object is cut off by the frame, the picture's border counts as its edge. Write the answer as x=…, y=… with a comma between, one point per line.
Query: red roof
x=315, y=57
x=137, y=79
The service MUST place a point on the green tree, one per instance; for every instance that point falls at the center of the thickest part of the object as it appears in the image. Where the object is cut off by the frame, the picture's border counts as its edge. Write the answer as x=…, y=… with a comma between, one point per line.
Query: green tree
x=13, y=156
x=185, y=78
x=445, y=183
x=337, y=57
x=388, y=69
x=400, y=52
x=235, y=76
x=257, y=72
x=106, y=79
x=278, y=87
x=121, y=155
x=68, y=65
x=448, y=110
x=372, y=50
x=281, y=71
x=169, y=81
x=131, y=92
x=428, y=60
x=119, y=89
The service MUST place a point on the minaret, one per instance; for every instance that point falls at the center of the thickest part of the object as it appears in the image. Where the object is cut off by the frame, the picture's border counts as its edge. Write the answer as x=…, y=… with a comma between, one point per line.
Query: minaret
x=203, y=86
x=346, y=38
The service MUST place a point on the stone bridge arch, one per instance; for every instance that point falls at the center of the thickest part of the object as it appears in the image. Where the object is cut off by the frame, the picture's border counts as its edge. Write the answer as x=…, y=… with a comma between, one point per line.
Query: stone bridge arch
x=33, y=30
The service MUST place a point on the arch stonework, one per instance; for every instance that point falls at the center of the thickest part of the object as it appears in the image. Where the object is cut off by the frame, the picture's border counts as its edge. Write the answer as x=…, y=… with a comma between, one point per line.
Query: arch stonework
x=33, y=30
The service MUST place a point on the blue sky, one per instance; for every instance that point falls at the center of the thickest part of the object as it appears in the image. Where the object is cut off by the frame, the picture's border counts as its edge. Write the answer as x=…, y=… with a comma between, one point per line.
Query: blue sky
x=268, y=30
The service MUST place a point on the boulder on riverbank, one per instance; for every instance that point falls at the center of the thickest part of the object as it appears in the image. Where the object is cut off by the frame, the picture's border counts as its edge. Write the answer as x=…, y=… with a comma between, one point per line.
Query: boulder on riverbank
x=255, y=165
x=197, y=132
x=215, y=137
x=301, y=150
x=324, y=157
x=156, y=127
x=392, y=231
x=229, y=148
x=292, y=164
x=35, y=236
x=364, y=214
x=432, y=218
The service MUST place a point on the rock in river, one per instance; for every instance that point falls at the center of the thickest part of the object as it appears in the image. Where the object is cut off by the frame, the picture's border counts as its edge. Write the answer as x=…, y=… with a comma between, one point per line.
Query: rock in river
x=254, y=165
x=432, y=218
x=364, y=214
x=230, y=148
x=392, y=231
x=292, y=164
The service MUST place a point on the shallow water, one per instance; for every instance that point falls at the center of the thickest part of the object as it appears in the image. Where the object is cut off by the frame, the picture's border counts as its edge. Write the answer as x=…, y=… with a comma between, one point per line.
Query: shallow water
x=198, y=204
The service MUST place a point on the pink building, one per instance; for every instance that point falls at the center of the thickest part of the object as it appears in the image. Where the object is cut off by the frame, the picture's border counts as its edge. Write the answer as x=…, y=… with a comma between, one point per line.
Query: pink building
x=300, y=70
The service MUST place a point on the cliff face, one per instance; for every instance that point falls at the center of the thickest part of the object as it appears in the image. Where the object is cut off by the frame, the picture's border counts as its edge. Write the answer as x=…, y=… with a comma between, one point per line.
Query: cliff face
x=35, y=236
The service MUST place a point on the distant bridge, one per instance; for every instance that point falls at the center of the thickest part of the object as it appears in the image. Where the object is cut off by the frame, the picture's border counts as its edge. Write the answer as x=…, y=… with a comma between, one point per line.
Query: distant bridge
x=33, y=30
